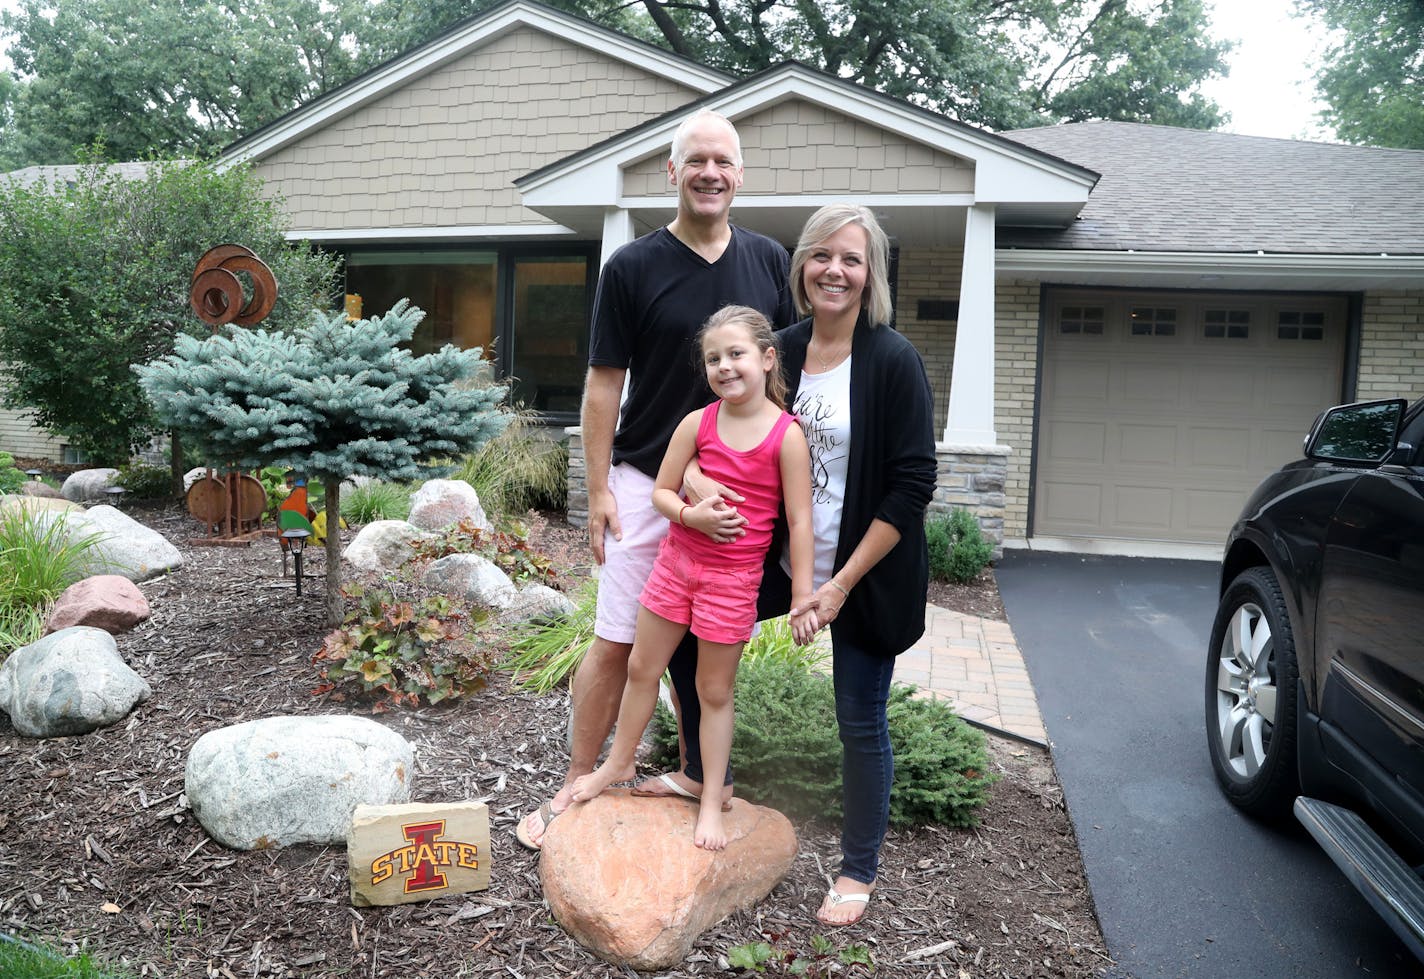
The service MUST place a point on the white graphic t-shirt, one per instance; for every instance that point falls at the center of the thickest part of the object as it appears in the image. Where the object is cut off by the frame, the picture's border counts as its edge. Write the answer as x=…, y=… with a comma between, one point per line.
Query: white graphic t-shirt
x=823, y=408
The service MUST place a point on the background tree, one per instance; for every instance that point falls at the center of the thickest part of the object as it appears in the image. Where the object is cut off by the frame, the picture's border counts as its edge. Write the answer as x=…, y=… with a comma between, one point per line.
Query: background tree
x=332, y=399
x=186, y=77
x=1372, y=76
x=95, y=276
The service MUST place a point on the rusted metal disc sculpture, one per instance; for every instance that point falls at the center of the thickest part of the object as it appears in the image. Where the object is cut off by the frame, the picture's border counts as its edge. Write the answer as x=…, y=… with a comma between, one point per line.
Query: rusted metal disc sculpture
x=217, y=295
x=230, y=505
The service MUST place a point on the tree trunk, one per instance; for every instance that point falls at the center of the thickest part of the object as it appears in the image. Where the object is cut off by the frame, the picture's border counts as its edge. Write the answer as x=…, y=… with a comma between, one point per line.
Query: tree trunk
x=175, y=465
x=332, y=486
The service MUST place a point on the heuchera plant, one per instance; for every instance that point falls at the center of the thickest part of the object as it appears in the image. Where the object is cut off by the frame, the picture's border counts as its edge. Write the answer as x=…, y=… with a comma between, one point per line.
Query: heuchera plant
x=507, y=550
x=401, y=651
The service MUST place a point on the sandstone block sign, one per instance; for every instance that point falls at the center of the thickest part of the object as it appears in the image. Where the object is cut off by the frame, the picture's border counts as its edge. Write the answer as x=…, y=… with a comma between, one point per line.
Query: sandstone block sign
x=417, y=851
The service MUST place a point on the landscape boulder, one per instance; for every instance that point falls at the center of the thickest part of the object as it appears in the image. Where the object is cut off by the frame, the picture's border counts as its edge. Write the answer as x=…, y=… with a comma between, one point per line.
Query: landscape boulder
x=440, y=503
x=473, y=579
x=285, y=780
x=122, y=545
x=382, y=545
x=108, y=601
x=37, y=504
x=70, y=682
x=37, y=488
x=540, y=603
x=623, y=877
x=88, y=484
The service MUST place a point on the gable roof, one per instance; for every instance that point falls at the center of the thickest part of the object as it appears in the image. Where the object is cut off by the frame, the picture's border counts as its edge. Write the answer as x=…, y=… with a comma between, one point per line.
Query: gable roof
x=456, y=43
x=1186, y=190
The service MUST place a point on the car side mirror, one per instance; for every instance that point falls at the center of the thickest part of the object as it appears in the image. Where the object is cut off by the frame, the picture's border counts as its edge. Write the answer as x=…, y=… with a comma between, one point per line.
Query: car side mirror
x=1364, y=433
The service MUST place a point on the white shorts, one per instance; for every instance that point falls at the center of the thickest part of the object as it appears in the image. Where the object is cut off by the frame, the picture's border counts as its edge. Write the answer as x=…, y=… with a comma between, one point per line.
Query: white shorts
x=627, y=562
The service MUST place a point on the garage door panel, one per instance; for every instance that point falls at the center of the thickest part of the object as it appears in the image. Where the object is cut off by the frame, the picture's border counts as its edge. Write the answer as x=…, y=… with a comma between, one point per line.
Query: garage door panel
x=1079, y=442
x=1150, y=445
x=1163, y=435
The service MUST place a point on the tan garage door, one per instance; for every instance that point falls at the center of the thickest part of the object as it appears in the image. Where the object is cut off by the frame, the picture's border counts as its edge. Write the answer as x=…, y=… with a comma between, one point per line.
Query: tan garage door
x=1161, y=412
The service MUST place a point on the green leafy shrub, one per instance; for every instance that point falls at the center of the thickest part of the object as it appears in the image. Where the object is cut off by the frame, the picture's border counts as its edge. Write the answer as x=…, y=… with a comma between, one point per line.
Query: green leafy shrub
x=11, y=479
x=519, y=469
x=508, y=549
x=401, y=651
x=145, y=482
x=376, y=501
x=958, y=550
x=543, y=654
x=18, y=958
x=38, y=560
x=773, y=640
x=787, y=753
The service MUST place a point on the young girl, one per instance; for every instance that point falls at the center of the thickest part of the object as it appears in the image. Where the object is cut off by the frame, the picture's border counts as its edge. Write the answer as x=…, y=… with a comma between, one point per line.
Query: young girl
x=747, y=442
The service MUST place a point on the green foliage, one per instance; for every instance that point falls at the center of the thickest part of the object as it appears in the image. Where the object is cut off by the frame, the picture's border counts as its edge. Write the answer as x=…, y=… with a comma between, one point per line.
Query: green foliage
x=11, y=479
x=377, y=501
x=39, y=558
x=823, y=960
x=543, y=654
x=519, y=469
x=401, y=651
x=144, y=482
x=94, y=277
x=509, y=550
x=1372, y=74
x=787, y=754
x=773, y=640
x=958, y=550
x=40, y=962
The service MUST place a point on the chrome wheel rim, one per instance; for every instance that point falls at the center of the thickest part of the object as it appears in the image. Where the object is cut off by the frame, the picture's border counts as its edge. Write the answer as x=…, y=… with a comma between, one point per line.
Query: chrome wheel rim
x=1246, y=691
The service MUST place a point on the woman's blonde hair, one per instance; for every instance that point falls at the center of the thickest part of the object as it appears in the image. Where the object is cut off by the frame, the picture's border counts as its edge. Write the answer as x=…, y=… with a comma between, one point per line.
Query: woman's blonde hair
x=822, y=225
x=758, y=327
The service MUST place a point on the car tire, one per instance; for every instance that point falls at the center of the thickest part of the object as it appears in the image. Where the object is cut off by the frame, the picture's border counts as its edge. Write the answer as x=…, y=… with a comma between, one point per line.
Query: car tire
x=1251, y=681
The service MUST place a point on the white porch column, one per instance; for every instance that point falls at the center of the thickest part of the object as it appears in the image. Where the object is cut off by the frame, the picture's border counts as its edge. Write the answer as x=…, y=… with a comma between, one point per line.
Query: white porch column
x=970, y=420
x=617, y=232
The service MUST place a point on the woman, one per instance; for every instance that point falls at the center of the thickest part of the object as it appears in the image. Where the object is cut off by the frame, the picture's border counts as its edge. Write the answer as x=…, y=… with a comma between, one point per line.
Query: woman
x=861, y=394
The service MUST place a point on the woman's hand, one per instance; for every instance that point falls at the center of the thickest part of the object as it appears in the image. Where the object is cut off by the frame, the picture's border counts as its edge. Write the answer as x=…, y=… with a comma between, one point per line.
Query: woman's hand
x=824, y=605
x=724, y=524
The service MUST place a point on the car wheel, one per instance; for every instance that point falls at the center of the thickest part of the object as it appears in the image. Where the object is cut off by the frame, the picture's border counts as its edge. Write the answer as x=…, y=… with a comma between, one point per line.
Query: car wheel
x=1251, y=679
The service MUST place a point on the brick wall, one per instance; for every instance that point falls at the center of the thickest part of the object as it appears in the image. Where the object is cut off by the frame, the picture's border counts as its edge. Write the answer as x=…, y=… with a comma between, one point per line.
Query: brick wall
x=1392, y=345
x=1015, y=385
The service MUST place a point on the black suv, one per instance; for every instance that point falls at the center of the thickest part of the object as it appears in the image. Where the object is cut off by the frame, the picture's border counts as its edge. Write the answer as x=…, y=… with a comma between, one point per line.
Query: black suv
x=1315, y=673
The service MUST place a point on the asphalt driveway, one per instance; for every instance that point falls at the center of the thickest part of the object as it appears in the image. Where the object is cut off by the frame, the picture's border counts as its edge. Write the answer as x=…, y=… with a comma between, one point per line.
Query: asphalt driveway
x=1184, y=884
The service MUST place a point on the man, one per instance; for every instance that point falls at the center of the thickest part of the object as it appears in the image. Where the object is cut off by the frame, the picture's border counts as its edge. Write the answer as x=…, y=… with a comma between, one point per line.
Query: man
x=653, y=296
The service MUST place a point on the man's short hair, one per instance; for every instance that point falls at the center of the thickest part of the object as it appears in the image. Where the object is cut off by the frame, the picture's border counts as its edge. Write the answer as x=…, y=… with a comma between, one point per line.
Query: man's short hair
x=701, y=115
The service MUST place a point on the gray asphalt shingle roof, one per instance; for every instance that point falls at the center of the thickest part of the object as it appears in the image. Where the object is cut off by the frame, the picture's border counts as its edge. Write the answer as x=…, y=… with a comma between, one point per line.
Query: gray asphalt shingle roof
x=1187, y=190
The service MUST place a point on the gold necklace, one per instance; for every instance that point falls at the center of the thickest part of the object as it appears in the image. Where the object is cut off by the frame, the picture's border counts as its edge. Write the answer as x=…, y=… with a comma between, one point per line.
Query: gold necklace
x=826, y=363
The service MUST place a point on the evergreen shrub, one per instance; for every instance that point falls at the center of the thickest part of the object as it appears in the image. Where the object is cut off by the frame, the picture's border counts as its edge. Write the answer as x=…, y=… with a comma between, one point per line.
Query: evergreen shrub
x=145, y=482
x=958, y=550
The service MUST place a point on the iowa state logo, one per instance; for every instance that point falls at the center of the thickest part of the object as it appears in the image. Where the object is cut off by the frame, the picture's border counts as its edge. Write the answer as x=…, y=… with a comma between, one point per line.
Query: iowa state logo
x=422, y=860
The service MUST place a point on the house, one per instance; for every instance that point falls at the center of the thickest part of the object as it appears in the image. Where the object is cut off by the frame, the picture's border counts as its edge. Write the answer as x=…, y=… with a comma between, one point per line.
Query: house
x=1126, y=326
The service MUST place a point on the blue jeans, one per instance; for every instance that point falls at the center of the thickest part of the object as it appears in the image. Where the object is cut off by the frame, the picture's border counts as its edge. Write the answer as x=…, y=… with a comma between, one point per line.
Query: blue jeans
x=862, y=683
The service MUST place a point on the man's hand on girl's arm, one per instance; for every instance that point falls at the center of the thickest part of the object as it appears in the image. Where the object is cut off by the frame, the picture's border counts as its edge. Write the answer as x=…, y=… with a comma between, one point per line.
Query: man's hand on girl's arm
x=728, y=524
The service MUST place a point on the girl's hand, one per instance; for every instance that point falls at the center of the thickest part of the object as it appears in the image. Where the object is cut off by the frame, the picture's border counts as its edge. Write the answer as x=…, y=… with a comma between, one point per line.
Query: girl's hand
x=713, y=517
x=804, y=627
x=697, y=487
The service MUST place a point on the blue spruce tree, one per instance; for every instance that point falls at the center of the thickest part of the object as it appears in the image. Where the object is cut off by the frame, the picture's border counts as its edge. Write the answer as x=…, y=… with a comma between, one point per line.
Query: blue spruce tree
x=332, y=399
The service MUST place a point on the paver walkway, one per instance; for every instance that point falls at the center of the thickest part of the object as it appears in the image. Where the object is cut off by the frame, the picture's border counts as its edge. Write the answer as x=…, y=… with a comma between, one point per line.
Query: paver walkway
x=975, y=664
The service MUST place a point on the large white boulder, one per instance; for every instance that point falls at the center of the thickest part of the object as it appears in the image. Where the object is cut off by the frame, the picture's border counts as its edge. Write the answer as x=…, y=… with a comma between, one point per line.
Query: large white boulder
x=439, y=503
x=122, y=544
x=285, y=780
x=382, y=545
x=70, y=682
x=472, y=578
x=88, y=484
x=540, y=602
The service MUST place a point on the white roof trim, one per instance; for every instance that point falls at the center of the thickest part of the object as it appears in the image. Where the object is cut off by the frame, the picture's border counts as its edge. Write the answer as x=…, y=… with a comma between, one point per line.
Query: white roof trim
x=746, y=201
x=1004, y=172
x=458, y=233
x=1224, y=264
x=401, y=71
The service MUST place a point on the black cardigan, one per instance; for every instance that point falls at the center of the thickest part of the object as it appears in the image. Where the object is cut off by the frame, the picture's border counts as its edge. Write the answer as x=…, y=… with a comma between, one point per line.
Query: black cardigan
x=890, y=475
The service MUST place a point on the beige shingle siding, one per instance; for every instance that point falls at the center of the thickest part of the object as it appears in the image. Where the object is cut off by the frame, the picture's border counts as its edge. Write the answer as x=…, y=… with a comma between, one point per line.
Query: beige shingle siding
x=796, y=147
x=445, y=149
x=20, y=438
x=1392, y=345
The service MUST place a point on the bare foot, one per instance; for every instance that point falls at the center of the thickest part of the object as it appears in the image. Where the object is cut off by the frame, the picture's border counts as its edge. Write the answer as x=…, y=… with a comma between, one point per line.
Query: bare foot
x=588, y=786
x=676, y=785
x=846, y=902
x=710, y=833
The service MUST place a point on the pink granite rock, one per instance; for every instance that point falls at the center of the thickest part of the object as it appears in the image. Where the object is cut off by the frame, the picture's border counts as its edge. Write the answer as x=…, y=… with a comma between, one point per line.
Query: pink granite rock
x=108, y=601
x=624, y=878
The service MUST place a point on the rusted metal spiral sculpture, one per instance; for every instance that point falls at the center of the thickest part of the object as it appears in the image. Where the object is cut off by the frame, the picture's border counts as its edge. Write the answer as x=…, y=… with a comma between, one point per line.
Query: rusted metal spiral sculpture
x=217, y=295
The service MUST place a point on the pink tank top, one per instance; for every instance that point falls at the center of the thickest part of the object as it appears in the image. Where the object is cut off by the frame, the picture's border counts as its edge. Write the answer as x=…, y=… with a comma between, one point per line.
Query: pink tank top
x=755, y=474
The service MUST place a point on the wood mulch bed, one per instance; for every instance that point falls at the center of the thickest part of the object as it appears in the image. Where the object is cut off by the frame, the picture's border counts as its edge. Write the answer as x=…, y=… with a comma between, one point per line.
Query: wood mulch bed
x=98, y=848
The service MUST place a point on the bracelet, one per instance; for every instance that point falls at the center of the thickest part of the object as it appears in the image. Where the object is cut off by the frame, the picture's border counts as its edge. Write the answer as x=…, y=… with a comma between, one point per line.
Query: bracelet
x=837, y=586
x=681, y=512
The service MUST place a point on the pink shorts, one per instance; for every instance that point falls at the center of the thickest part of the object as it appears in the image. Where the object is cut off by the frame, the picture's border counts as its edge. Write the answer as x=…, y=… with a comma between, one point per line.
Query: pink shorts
x=718, y=604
